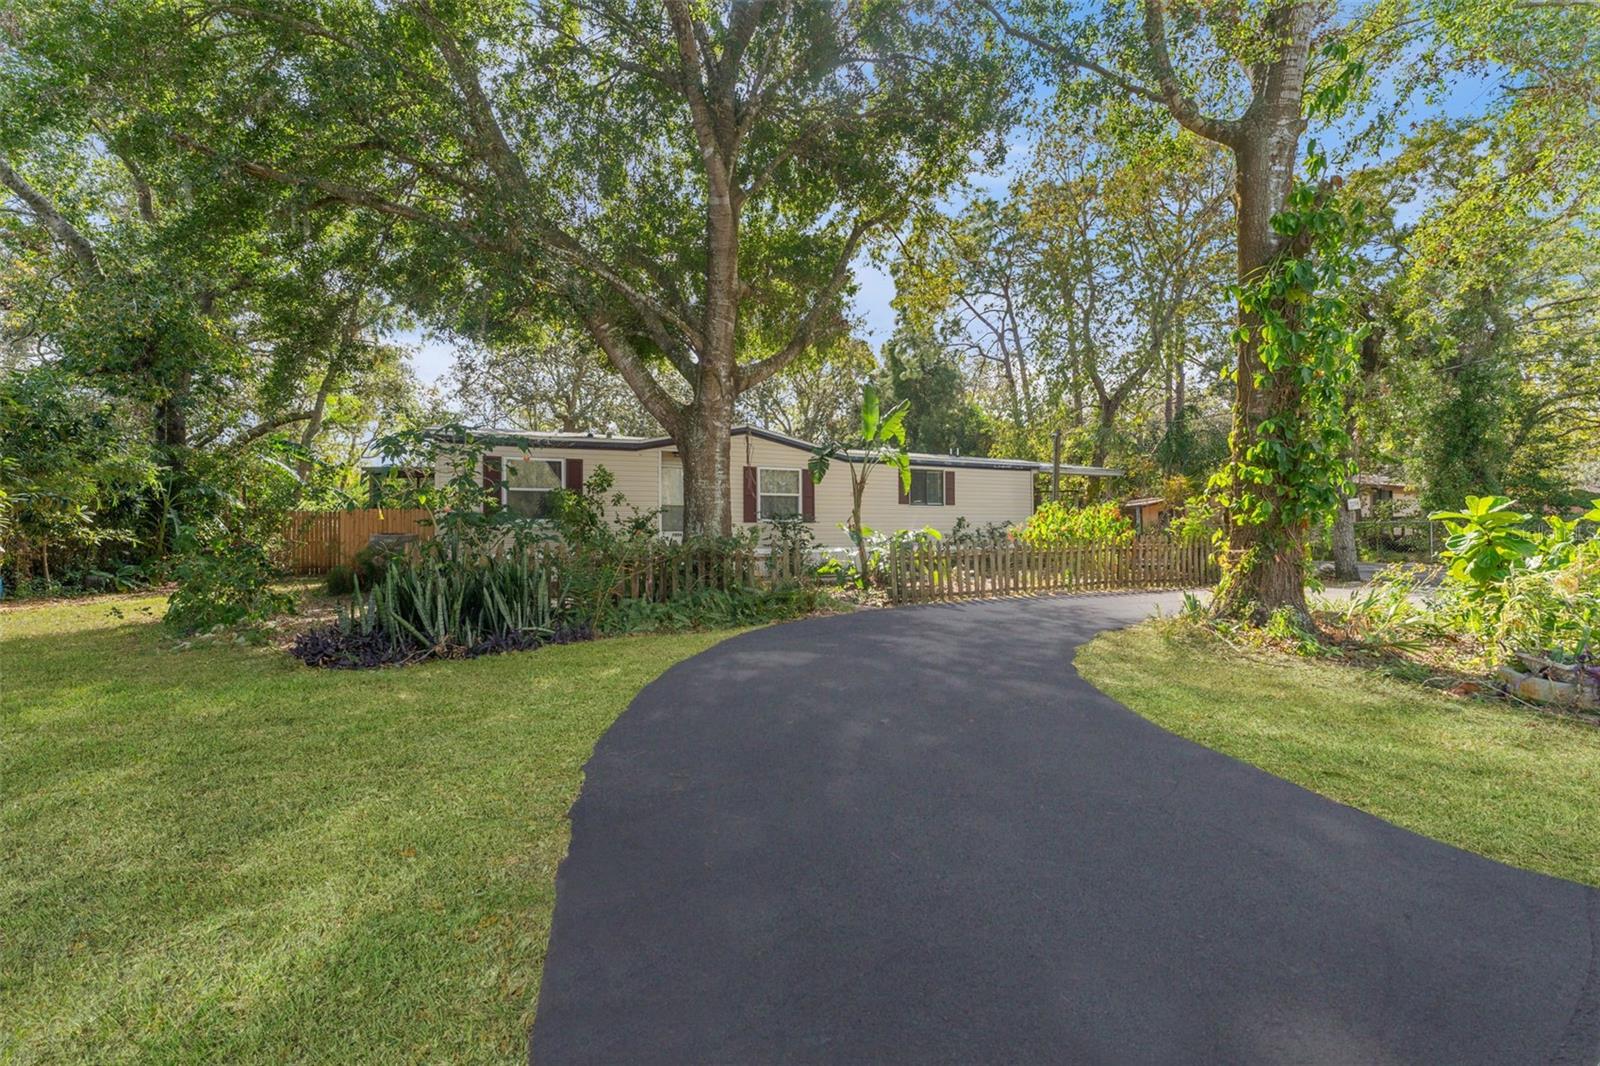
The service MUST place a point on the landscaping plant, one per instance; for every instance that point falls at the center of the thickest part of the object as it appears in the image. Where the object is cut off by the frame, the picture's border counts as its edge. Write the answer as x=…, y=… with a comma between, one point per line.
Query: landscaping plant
x=1057, y=525
x=879, y=440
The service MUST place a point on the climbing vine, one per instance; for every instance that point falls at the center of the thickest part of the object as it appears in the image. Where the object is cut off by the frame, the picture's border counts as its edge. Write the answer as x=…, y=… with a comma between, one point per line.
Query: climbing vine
x=1299, y=320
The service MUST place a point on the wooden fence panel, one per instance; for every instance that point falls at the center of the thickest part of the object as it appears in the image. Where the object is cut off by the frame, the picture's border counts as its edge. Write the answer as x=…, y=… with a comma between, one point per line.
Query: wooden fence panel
x=317, y=541
x=941, y=573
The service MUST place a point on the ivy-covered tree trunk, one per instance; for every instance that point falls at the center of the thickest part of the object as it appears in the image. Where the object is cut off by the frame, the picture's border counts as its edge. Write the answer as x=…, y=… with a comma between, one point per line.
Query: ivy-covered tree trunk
x=1263, y=558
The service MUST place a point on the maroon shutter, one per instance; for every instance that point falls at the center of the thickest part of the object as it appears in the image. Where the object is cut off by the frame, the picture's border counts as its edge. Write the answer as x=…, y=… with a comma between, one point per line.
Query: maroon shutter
x=574, y=479
x=493, y=474
x=904, y=485
x=808, y=497
x=749, y=494
x=949, y=488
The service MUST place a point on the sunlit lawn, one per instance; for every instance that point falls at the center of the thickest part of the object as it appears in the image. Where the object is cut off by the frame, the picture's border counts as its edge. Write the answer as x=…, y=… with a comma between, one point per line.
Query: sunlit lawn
x=220, y=855
x=1515, y=785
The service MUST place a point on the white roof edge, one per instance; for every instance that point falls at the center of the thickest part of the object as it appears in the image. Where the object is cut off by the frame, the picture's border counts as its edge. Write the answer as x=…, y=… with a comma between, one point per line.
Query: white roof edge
x=921, y=458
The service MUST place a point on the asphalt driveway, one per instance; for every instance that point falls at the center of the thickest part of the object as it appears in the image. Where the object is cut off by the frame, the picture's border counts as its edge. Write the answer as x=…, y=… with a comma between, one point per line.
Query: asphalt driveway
x=918, y=836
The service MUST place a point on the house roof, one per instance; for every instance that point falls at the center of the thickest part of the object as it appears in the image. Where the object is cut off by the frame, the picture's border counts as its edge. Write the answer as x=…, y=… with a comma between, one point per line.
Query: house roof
x=609, y=442
x=1145, y=501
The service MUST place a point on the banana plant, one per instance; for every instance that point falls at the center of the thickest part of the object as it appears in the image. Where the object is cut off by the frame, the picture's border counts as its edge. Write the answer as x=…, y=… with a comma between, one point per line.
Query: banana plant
x=879, y=440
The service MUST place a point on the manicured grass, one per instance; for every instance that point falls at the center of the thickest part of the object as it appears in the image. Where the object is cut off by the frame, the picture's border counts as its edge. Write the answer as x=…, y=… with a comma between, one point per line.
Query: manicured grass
x=220, y=855
x=1515, y=785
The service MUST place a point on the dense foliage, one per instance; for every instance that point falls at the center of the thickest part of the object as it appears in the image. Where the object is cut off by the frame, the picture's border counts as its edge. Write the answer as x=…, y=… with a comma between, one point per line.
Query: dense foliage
x=1057, y=525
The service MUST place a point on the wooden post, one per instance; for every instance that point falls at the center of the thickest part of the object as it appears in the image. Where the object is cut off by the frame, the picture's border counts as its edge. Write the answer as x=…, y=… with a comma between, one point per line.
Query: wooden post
x=1055, y=467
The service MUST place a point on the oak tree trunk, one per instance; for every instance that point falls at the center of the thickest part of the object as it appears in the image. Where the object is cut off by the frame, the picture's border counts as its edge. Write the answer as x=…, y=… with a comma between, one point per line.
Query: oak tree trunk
x=703, y=445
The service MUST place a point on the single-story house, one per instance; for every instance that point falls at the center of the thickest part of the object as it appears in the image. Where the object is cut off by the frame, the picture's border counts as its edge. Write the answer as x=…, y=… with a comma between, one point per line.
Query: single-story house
x=1149, y=513
x=770, y=479
x=1375, y=490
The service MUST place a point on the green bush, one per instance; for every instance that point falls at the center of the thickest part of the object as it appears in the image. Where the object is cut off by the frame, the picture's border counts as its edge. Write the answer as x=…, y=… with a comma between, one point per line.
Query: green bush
x=989, y=535
x=1056, y=525
x=1517, y=589
x=339, y=581
x=229, y=585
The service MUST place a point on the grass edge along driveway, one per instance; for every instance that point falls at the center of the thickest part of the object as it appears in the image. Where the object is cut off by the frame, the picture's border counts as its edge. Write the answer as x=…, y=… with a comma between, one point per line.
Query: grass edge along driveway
x=221, y=855
x=1514, y=785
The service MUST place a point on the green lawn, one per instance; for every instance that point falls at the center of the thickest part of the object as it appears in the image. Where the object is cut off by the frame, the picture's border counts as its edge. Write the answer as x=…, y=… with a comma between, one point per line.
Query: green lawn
x=220, y=855
x=1515, y=785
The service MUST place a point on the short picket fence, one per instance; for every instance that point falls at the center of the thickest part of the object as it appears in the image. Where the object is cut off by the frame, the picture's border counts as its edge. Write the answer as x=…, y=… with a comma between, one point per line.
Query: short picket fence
x=938, y=573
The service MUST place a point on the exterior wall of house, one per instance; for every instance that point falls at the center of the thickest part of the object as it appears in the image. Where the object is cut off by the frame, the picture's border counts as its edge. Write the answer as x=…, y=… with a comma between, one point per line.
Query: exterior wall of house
x=636, y=474
x=982, y=495
x=1401, y=502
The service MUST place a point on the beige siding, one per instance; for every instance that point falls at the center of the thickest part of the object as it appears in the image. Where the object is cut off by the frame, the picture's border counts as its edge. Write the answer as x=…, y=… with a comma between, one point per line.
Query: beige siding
x=636, y=474
x=982, y=496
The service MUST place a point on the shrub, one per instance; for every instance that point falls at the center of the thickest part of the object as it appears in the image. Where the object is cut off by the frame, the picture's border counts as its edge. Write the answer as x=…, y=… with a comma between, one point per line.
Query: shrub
x=1055, y=525
x=229, y=585
x=990, y=535
x=339, y=581
x=443, y=603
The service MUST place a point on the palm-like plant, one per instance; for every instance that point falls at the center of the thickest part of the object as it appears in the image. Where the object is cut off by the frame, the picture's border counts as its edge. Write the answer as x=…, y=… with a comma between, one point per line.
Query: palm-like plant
x=879, y=440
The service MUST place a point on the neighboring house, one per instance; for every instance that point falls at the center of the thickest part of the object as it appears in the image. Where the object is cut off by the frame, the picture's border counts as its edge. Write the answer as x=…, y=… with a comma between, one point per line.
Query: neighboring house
x=770, y=479
x=376, y=477
x=1376, y=490
x=1149, y=513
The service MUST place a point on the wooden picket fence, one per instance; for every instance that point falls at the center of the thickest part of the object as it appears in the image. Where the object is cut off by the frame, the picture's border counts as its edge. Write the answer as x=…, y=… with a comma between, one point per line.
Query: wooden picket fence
x=936, y=573
x=662, y=572
x=317, y=541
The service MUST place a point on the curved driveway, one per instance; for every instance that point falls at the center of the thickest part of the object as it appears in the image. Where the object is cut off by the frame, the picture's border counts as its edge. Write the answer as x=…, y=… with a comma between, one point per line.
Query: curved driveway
x=918, y=836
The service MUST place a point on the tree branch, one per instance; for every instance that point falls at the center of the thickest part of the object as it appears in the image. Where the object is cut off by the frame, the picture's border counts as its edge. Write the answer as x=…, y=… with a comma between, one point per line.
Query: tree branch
x=655, y=399
x=51, y=219
x=753, y=374
x=1181, y=106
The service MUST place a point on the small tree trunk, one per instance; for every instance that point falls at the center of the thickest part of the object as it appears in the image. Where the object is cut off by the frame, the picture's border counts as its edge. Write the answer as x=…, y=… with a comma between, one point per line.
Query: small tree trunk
x=1344, y=545
x=858, y=488
x=314, y=425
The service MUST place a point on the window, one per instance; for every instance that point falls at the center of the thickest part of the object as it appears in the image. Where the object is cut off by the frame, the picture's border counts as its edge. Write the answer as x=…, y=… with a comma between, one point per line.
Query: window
x=671, y=497
x=529, y=483
x=779, y=492
x=927, y=486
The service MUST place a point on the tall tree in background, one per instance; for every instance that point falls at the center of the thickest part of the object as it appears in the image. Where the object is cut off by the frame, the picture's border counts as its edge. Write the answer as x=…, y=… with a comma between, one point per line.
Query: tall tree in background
x=218, y=328
x=1235, y=75
x=554, y=378
x=688, y=182
x=963, y=278
x=941, y=416
x=817, y=397
x=1130, y=229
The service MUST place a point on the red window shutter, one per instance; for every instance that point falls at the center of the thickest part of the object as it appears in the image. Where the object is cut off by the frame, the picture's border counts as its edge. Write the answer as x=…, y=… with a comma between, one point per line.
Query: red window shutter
x=949, y=488
x=493, y=474
x=574, y=479
x=749, y=494
x=904, y=486
x=808, y=497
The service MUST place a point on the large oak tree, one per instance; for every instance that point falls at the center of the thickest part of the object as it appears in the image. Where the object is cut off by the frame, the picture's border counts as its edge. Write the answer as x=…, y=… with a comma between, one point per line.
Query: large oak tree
x=690, y=182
